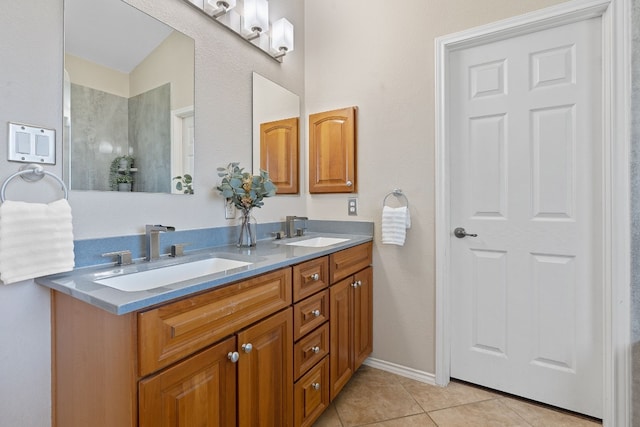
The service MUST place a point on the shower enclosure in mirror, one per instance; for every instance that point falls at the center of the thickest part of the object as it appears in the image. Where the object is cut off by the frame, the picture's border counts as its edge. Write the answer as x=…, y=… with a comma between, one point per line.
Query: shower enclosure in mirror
x=128, y=100
x=276, y=113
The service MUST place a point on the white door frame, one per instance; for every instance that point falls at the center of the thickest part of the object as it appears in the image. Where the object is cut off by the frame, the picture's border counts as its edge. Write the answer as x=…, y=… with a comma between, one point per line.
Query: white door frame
x=616, y=26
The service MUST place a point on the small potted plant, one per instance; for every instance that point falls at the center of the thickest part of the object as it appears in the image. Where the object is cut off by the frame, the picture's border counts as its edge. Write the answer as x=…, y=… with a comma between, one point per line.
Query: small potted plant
x=124, y=182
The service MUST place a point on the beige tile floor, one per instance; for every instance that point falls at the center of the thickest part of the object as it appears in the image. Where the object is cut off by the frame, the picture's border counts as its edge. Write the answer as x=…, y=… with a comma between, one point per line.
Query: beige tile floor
x=376, y=398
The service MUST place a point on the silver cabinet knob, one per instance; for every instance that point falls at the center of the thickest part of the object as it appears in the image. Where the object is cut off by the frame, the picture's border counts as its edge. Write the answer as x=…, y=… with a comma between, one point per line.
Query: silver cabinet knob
x=315, y=349
x=356, y=284
x=233, y=356
x=316, y=313
x=247, y=347
x=315, y=386
x=349, y=184
x=315, y=277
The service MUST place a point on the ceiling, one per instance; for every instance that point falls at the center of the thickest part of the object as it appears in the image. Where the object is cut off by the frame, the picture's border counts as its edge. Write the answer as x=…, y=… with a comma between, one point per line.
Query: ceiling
x=111, y=33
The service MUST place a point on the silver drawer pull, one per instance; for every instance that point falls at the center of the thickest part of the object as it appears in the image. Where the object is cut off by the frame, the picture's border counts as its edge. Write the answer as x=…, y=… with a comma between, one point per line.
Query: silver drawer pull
x=315, y=386
x=316, y=313
x=315, y=349
x=315, y=277
x=247, y=347
x=233, y=356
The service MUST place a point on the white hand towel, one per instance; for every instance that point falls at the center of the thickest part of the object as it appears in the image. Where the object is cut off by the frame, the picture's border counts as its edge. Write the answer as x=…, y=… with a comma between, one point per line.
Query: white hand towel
x=395, y=222
x=35, y=240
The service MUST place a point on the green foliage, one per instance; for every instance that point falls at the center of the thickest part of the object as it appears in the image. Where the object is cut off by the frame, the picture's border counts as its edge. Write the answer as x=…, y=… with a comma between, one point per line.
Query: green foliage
x=185, y=183
x=245, y=191
x=116, y=175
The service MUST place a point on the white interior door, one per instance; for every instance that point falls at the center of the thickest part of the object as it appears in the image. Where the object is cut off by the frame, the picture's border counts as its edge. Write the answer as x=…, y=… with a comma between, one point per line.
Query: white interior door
x=526, y=177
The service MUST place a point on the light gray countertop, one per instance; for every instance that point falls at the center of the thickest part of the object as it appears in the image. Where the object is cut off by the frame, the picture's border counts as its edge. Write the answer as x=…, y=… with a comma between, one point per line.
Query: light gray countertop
x=267, y=255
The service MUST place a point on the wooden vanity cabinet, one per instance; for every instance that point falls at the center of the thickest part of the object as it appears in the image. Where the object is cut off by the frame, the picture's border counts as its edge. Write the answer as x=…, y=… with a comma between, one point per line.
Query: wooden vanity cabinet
x=272, y=350
x=351, y=308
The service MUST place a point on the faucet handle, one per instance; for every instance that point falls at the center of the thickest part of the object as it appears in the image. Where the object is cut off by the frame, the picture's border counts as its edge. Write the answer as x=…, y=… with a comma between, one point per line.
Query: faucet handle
x=123, y=257
x=177, y=249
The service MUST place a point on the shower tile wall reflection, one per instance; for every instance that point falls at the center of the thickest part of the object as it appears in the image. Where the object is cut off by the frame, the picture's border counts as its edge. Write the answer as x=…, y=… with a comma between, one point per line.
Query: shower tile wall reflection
x=95, y=143
x=138, y=126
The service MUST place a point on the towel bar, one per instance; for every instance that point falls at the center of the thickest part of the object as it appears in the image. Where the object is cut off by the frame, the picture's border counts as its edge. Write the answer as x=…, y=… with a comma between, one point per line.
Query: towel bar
x=32, y=172
x=398, y=194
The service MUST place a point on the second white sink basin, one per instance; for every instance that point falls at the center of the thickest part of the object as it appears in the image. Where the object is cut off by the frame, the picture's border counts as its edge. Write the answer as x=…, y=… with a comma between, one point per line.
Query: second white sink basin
x=318, y=242
x=162, y=276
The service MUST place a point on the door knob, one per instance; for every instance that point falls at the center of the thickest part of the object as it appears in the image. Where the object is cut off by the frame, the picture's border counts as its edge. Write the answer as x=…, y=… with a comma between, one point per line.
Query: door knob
x=461, y=233
x=233, y=356
x=247, y=347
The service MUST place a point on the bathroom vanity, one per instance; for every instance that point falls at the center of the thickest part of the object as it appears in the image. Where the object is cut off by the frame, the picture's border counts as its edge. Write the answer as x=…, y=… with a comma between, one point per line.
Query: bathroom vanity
x=272, y=348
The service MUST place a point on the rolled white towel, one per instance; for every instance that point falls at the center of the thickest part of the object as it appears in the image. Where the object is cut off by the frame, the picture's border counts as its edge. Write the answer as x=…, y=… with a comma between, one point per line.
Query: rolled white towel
x=35, y=240
x=395, y=222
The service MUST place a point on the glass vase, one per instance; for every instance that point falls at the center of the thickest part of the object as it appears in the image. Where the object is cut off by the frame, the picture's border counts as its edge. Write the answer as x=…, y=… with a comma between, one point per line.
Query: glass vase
x=248, y=230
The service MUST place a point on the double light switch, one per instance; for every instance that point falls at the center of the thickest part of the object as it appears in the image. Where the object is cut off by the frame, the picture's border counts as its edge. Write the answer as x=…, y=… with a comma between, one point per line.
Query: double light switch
x=32, y=144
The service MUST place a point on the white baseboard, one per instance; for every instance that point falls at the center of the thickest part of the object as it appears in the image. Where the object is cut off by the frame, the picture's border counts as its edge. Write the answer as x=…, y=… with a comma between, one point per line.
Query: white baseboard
x=414, y=374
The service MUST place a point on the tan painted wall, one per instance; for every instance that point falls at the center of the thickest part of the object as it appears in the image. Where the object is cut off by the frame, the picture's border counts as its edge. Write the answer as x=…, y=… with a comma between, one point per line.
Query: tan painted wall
x=380, y=57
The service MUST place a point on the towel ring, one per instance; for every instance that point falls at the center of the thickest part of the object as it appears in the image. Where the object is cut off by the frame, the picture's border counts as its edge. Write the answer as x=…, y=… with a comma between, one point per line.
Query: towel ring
x=398, y=194
x=32, y=173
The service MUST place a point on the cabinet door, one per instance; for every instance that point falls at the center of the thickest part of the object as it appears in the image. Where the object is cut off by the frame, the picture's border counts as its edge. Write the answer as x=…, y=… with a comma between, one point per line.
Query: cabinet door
x=332, y=151
x=341, y=330
x=265, y=373
x=199, y=391
x=362, y=316
x=279, y=153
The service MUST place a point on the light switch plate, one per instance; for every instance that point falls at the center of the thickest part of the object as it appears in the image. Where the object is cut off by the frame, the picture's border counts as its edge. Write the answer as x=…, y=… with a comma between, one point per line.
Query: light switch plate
x=31, y=144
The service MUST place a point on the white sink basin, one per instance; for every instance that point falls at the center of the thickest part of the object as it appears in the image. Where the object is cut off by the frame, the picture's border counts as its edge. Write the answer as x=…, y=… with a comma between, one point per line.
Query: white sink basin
x=318, y=242
x=150, y=279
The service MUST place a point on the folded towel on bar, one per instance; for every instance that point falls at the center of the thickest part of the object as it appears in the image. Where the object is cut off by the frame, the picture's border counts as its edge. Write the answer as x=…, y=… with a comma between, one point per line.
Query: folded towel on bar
x=36, y=239
x=395, y=222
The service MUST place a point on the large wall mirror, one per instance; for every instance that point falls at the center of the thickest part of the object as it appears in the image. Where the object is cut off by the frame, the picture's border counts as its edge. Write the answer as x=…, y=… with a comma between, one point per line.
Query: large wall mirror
x=128, y=100
x=276, y=115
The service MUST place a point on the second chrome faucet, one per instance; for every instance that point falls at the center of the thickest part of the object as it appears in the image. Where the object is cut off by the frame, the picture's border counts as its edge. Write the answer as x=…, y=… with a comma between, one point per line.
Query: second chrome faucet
x=291, y=228
x=152, y=239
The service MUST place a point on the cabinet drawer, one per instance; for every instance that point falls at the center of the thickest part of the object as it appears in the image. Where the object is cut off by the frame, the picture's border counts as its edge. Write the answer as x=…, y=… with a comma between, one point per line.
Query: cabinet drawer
x=344, y=263
x=310, y=277
x=311, y=394
x=310, y=349
x=169, y=333
x=310, y=313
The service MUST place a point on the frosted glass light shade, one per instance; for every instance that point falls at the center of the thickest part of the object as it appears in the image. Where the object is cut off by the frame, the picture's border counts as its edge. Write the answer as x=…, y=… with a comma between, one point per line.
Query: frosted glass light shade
x=282, y=35
x=256, y=15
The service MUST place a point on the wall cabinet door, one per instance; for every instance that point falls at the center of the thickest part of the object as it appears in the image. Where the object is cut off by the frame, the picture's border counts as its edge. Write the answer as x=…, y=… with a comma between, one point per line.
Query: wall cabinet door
x=279, y=153
x=351, y=323
x=332, y=151
x=199, y=391
x=265, y=373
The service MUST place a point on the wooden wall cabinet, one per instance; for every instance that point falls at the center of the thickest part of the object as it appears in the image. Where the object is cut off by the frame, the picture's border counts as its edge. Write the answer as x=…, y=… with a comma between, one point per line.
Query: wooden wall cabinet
x=332, y=151
x=279, y=153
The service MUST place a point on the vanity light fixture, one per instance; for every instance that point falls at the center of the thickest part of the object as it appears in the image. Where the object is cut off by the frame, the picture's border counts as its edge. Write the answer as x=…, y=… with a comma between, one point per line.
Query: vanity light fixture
x=249, y=19
x=281, y=38
x=217, y=8
x=255, y=18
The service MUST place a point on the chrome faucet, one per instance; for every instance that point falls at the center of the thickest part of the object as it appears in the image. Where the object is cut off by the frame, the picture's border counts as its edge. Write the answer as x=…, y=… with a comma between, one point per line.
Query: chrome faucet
x=290, y=225
x=152, y=237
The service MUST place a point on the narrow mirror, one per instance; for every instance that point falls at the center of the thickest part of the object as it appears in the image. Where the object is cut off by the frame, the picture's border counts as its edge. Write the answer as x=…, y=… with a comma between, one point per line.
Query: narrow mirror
x=276, y=113
x=128, y=100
